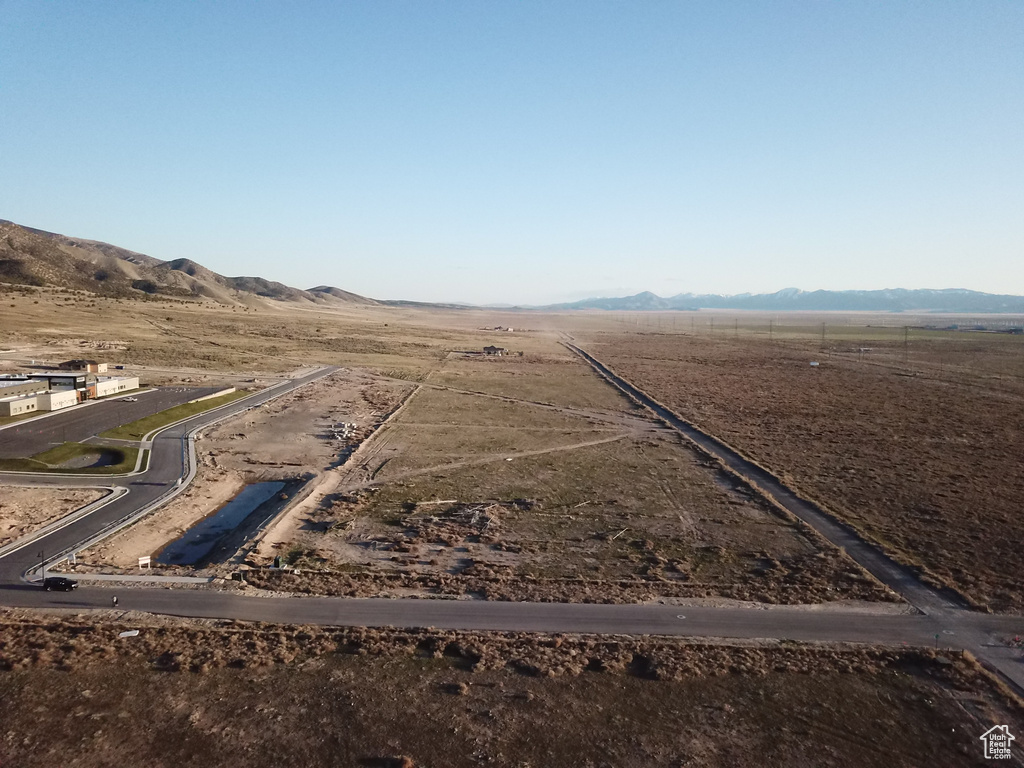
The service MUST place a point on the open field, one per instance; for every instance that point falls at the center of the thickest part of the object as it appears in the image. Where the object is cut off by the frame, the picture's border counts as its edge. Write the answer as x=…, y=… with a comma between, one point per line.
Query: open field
x=263, y=340
x=23, y=510
x=74, y=694
x=545, y=373
x=923, y=457
x=913, y=435
x=507, y=499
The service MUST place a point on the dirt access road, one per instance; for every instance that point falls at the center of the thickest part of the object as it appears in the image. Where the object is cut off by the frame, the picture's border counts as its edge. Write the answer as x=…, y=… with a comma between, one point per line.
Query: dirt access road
x=930, y=601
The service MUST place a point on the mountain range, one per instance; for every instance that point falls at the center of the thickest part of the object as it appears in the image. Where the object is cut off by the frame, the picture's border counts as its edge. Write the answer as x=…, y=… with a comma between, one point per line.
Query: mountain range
x=33, y=257
x=951, y=300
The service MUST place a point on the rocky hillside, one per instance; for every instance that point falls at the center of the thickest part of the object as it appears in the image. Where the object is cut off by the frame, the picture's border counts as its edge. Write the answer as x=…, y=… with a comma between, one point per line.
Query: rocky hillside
x=33, y=257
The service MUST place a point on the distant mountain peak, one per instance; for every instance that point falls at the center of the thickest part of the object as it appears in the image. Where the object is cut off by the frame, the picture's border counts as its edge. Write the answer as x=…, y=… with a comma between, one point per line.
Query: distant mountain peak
x=948, y=300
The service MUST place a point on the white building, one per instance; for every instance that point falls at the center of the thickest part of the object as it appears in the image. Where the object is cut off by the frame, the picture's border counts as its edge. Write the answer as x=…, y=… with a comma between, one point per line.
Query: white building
x=56, y=399
x=112, y=385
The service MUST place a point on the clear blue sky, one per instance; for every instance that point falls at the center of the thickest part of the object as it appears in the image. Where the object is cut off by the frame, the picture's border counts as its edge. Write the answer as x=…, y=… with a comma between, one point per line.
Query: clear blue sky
x=527, y=151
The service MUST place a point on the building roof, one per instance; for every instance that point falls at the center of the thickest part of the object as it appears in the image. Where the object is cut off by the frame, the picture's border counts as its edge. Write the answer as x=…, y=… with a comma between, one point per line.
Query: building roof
x=14, y=382
x=22, y=396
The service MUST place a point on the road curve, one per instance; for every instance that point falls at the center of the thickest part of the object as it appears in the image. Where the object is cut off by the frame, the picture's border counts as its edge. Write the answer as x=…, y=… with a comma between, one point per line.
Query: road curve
x=168, y=462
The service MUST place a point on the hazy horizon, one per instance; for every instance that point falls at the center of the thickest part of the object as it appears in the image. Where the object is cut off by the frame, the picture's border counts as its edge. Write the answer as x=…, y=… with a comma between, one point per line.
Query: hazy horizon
x=511, y=154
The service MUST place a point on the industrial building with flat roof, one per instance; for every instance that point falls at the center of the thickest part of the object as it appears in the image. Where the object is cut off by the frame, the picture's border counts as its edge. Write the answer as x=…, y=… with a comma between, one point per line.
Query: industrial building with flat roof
x=52, y=390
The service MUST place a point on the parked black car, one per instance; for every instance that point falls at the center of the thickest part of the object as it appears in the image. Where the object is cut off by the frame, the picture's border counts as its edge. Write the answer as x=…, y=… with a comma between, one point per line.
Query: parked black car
x=59, y=582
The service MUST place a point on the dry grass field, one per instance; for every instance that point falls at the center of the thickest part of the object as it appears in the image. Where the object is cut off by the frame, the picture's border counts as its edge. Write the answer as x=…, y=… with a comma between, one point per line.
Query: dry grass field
x=912, y=435
x=545, y=373
x=920, y=447
x=527, y=477
x=24, y=509
x=273, y=337
x=507, y=496
x=202, y=693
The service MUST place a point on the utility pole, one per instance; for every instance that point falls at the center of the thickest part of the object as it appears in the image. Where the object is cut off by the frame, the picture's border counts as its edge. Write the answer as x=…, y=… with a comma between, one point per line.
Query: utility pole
x=906, y=343
x=823, y=334
x=42, y=564
x=736, y=327
x=771, y=323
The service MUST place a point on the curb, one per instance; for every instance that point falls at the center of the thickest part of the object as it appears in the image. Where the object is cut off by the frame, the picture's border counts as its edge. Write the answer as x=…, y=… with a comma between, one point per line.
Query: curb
x=188, y=462
x=115, y=492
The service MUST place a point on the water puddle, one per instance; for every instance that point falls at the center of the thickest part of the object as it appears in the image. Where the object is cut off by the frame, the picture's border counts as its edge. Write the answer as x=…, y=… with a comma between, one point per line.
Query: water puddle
x=199, y=540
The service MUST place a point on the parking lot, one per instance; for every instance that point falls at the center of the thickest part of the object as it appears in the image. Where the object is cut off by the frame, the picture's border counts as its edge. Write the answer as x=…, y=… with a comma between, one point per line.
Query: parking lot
x=82, y=422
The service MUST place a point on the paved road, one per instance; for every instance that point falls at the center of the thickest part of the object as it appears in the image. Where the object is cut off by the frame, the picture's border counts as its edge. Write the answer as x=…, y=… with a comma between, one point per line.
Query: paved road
x=83, y=422
x=167, y=464
x=954, y=626
x=944, y=606
x=782, y=622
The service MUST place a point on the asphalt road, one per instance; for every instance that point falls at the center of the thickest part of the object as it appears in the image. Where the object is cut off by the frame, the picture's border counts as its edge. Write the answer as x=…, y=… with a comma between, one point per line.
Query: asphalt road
x=780, y=622
x=166, y=466
x=83, y=422
x=945, y=607
x=942, y=622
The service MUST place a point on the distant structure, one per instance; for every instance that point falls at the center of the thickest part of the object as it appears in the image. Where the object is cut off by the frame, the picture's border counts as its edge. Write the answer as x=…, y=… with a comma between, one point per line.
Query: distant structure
x=89, y=366
x=496, y=351
x=25, y=393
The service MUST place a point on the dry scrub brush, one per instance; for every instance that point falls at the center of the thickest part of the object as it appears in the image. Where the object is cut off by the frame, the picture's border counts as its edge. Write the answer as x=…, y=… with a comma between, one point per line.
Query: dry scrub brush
x=69, y=643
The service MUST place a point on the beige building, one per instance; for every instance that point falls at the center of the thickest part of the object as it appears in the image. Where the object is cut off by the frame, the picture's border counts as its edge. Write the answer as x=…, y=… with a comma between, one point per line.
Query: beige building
x=112, y=385
x=89, y=366
x=56, y=399
x=18, y=406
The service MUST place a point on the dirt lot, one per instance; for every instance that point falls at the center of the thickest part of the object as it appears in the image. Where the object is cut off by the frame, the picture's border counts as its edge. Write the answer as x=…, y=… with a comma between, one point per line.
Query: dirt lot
x=924, y=459
x=23, y=510
x=293, y=436
x=502, y=498
x=73, y=694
